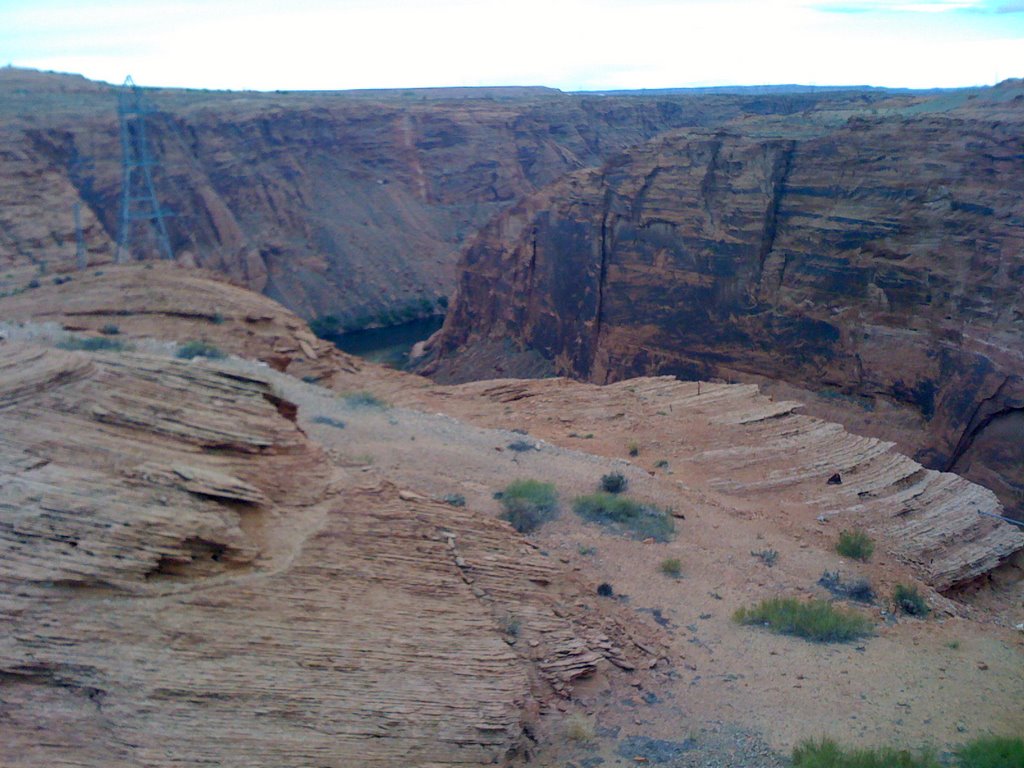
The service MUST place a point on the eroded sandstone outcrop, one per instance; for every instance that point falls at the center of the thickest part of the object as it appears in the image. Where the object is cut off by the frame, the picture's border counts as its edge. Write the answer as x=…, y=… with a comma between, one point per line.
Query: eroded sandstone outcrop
x=160, y=300
x=187, y=578
x=879, y=260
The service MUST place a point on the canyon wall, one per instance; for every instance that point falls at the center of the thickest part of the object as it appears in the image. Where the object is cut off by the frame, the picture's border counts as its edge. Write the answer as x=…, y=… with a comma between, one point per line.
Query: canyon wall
x=877, y=263
x=354, y=204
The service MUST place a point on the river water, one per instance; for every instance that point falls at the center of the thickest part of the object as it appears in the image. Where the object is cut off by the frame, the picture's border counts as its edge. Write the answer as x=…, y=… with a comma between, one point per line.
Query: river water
x=390, y=345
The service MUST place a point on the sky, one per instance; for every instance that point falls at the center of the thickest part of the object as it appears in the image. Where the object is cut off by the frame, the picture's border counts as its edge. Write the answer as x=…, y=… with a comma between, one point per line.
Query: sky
x=566, y=44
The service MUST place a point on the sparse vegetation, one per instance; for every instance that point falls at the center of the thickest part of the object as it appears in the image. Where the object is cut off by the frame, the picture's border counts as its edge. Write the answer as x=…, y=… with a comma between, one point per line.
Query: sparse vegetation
x=909, y=601
x=194, y=348
x=510, y=625
x=641, y=520
x=217, y=318
x=953, y=645
x=985, y=752
x=827, y=754
x=529, y=504
x=856, y=545
x=614, y=482
x=364, y=399
x=671, y=566
x=604, y=589
x=93, y=344
x=859, y=590
x=634, y=448
x=454, y=499
x=337, y=423
x=992, y=752
x=110, y=330
x=661, y=464
x=815, y=620
x=586, y=551
x=521, y=446
x=766, y=556
x=579, y=728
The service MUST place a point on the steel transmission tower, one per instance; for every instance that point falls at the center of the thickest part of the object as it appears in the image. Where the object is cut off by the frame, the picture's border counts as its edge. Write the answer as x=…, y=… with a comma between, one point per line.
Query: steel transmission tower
x=139, y=202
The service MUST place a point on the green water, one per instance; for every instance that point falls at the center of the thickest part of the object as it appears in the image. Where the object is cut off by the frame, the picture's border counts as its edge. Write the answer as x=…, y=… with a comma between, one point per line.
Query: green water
x=391, y=345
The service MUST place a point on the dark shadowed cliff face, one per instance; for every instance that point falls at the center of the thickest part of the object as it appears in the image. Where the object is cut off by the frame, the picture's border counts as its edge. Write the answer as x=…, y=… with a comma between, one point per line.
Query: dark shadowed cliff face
x=333, y=203
x=880, y=263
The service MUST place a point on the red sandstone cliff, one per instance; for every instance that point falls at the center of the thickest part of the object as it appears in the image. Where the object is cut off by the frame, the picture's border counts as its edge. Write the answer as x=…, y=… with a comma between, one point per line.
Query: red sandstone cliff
x=878, y=262
x=332, y=203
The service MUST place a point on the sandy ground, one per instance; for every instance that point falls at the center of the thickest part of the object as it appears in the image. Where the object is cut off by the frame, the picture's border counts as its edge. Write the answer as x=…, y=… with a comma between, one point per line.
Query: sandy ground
x=736, y=693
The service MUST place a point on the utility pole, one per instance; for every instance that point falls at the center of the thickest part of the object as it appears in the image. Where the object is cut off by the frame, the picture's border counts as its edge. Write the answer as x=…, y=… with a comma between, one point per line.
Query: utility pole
x=138, y=195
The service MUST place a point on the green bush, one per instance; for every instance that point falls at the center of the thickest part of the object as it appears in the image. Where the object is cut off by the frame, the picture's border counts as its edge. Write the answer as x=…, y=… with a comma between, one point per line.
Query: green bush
x=827, y=754
x=856, y=545
x=529, y=504
x=815, y=620
x=192, y=349
x=671, y=566
x=992, y=752
x=92, y=344
x=767, y=556
x=909, y=601
x=641, y=520
x=614, y=482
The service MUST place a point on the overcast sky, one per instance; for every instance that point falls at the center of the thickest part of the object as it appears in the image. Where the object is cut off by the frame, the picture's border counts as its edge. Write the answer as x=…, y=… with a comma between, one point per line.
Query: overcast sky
x=567, y=44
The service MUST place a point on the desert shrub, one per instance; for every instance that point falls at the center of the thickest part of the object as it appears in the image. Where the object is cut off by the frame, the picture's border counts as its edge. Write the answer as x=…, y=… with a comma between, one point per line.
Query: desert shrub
x=992, y=752
x=661, y=464
x=217, y=318
x=604, y=589
x=815, y=620
x=364, y=399
x=510, y=625
x=110, y=330
x=909, y=601
x=585, y=550
x=634, y=448
x=337, y=423
x=520, y=446
x=454, y=499
x=859, y=590
x=767, y=556
x=827, y=754
x=529, y=504
x=671, y=566
x=92, y=344
x=641, y=520
x=194, y=348
x=856, y=545
x=579, y=728
x=33, y=283
x=614, y=482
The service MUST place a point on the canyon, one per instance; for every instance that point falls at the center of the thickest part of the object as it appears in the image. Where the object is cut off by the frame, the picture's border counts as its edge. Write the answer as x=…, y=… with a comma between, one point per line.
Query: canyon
x=349, y=204
x=278, y=553
x=778, y=317
x=873, y=266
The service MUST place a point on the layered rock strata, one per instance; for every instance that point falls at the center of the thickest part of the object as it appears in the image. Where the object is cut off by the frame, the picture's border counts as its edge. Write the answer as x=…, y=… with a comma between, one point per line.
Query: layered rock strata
x=737, y=442
x=878, y=262
x=353, y=204
x=186, y=578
